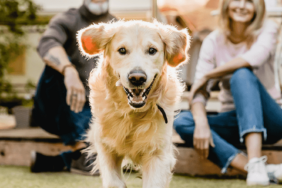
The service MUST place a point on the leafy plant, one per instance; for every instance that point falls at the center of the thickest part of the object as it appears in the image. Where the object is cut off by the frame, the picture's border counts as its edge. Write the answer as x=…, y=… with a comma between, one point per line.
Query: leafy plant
x=29, y=86
x=12, y=34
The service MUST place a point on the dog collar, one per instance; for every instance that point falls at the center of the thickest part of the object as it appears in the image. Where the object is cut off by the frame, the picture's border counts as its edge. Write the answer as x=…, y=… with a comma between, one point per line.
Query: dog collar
x=163, y=113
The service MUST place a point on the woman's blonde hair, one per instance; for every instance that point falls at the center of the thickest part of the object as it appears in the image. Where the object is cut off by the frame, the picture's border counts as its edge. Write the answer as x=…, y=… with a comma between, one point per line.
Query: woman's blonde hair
x=256, y=23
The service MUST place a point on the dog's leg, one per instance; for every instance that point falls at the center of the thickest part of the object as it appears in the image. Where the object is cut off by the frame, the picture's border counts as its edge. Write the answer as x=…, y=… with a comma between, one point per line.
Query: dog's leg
x=157, y=171
x=110, y=168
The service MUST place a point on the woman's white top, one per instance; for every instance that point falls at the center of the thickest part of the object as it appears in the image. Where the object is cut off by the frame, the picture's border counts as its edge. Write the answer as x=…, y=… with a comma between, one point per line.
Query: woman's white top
x=216, y=50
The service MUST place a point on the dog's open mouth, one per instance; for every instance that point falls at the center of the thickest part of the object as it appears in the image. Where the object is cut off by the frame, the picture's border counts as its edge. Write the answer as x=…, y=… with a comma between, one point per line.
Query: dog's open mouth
x=137, y=97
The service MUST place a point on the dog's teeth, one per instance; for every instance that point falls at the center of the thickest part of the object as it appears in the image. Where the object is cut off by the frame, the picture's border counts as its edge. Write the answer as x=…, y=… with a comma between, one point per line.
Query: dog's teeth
x=118, y=83
x=143, y=93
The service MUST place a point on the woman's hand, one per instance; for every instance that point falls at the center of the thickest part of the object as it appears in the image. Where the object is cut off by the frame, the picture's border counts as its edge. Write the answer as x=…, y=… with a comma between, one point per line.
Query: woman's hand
x=75, y=90
x=200, y=84
x=202, y=138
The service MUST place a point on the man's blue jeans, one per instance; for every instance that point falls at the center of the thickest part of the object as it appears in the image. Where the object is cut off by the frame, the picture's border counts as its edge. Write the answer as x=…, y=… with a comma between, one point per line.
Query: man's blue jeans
x=52, y=113
x=256, y=111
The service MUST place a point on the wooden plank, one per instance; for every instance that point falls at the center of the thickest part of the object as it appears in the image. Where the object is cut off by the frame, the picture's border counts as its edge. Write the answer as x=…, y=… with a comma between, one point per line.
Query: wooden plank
x=213, y=105
x=176, y=139
x=28, y=133
x=18, y=152
x=189, y=162
x=16, y=145
x=7, y=121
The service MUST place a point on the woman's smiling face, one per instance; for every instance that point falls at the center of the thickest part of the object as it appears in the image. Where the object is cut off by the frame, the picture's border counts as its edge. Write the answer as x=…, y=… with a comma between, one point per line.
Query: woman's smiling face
x=241, y=10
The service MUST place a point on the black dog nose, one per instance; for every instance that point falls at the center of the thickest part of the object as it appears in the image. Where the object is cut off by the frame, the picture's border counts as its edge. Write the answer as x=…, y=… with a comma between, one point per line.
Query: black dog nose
x=137, y=77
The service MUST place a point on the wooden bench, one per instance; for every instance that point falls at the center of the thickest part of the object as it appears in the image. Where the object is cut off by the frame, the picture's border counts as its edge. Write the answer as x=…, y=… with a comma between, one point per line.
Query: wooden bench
x=189, y=162
x=16, y=144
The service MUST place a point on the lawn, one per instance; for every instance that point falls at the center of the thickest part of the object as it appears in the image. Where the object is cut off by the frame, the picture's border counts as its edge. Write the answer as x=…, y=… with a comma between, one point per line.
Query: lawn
x=20, y=177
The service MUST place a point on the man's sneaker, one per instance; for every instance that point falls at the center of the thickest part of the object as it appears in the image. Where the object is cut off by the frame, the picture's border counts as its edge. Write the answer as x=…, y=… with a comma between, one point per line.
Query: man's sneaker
x=84, y=165
x=275, y=170
x=257, y=174
x=45, y=163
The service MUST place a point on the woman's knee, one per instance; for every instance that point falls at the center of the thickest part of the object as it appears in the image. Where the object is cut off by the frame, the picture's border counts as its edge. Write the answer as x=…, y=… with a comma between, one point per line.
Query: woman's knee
x=242, y=75
x=183, y=121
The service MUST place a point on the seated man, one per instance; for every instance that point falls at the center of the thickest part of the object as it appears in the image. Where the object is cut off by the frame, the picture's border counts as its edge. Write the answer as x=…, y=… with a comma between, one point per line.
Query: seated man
x=61, y=104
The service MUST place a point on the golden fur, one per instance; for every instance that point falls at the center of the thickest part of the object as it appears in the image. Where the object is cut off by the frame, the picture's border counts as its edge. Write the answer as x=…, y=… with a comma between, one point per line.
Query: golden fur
x=118, y=130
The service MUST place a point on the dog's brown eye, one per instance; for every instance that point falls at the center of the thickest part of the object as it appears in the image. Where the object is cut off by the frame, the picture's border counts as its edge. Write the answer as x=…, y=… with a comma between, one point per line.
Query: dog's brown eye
x=122, y=51
x=152, y=51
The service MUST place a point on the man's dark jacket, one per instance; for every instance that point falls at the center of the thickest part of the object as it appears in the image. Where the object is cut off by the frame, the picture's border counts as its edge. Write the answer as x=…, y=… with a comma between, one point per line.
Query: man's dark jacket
x=62, y=31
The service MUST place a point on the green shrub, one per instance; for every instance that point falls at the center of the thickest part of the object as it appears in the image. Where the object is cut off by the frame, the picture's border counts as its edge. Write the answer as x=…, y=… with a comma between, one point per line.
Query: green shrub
x=14, y=13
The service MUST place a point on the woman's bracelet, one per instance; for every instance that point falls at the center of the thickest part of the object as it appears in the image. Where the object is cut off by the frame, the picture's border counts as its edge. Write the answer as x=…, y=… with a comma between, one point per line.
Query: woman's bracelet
x=65, y=66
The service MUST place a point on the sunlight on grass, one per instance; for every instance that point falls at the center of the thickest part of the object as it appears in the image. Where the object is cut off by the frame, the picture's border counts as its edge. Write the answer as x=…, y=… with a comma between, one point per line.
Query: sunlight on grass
x=20, y=177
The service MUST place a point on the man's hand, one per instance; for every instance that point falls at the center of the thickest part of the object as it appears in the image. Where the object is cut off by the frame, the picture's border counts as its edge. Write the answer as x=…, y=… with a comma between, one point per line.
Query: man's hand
x=202, y=138
x=57, y=59
x=75, y=90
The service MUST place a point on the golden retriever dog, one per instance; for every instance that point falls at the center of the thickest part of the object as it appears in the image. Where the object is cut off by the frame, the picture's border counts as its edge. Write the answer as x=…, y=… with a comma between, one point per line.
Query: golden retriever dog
x=133, y=95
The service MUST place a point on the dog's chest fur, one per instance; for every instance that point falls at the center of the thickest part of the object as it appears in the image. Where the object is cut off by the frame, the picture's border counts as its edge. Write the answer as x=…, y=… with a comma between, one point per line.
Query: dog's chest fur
x=123, y=130
x=134, y=134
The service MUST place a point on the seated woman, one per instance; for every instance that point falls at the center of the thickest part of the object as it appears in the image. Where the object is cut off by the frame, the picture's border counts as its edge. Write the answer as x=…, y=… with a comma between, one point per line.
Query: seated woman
x=241, y=56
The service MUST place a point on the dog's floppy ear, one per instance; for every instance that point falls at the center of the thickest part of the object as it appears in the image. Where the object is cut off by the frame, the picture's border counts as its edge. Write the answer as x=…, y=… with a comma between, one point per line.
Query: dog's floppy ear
x=177, y=43
x=93, y=39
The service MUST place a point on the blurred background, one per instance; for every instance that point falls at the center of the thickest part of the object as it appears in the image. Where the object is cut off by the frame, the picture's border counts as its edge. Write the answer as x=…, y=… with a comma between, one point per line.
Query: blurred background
x=22, y=23
x=23, y=71
x=21, y=66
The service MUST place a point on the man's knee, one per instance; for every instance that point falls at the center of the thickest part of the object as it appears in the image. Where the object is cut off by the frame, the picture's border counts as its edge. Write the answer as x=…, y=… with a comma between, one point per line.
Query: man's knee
x=242, y=75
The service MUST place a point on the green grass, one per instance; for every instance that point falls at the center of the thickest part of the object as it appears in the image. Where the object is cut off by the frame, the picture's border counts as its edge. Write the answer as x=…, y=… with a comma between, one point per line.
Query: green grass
x=20, y=177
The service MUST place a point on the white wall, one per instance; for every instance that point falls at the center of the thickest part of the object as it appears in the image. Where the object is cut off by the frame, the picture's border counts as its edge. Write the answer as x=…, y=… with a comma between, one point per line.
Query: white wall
x=58, y=5
x=33, y=63
x=115, y=5
x=130, y=5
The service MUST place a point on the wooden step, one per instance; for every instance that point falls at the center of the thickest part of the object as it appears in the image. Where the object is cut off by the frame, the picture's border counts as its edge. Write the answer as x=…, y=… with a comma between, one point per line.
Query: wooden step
x=213, y=105
x=190, y=162
x=16, y=145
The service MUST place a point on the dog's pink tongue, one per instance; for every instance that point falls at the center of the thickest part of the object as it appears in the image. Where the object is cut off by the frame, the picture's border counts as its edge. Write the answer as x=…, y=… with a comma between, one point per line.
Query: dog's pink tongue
x=137, y=98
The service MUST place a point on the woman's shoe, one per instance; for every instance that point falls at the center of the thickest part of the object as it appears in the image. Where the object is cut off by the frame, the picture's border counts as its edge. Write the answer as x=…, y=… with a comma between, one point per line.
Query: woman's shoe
x=275, y=170
x=257, y=173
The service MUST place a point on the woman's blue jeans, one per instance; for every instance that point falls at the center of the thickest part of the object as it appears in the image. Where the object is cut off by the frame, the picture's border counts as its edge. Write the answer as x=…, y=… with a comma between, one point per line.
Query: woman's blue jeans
x=256, y=111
